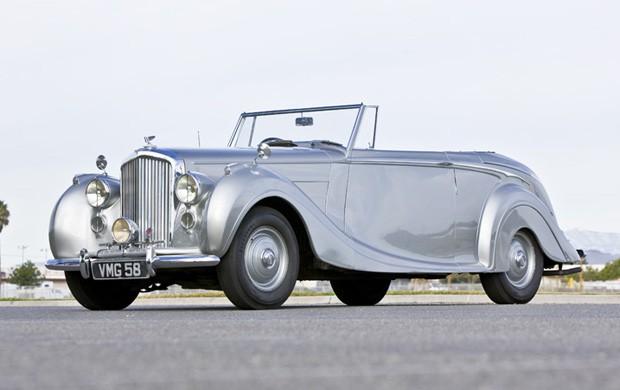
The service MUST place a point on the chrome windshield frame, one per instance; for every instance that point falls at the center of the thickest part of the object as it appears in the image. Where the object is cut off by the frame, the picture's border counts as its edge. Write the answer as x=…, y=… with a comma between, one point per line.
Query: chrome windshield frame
x=355, y=126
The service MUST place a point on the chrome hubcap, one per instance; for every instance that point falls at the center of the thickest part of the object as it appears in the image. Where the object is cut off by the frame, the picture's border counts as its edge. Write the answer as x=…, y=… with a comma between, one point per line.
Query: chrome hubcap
x=266, y=258
x=522, y=260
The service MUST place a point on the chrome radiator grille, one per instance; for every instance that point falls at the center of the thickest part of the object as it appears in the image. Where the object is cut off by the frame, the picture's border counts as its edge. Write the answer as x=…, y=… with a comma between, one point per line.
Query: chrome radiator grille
x=146, y=196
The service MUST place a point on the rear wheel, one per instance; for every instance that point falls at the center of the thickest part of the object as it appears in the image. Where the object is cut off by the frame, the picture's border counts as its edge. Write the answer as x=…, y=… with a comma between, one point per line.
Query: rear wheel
x=520, y=283
x=360, y=292
x=101, y=294
x=261, y=266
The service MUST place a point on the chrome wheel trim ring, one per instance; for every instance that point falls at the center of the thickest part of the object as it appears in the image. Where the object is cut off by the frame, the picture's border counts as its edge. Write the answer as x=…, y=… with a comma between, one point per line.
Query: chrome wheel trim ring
x=266, y=258
x=522, y=261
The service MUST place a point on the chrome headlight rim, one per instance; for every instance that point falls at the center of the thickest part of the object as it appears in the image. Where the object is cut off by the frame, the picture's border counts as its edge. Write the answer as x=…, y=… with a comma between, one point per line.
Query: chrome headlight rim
x=98, y=224
x=187, y=189
x=188, y=220
x=124, y=231
x=98, y=193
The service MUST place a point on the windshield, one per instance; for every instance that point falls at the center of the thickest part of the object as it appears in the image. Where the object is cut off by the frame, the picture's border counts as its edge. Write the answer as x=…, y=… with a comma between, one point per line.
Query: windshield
x=289, y=127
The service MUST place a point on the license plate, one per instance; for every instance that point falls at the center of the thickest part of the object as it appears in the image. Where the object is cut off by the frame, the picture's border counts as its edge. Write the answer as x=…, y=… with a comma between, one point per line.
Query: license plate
x=120, y=270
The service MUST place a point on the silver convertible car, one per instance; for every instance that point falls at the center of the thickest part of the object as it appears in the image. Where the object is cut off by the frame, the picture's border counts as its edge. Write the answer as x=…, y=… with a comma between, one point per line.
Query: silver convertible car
x=302, y=194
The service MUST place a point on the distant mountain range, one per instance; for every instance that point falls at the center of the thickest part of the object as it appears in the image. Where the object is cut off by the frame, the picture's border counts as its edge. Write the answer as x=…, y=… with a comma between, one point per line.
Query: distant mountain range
x=600, y=247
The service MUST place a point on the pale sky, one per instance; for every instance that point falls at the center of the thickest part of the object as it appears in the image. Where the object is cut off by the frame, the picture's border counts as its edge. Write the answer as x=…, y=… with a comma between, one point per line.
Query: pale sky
x=538, y=81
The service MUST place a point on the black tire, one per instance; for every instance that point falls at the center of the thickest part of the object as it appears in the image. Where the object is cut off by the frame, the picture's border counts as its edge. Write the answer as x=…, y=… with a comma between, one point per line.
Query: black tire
x=520, y=283
x=360, y=292
x=101, y=294
x=261, y=266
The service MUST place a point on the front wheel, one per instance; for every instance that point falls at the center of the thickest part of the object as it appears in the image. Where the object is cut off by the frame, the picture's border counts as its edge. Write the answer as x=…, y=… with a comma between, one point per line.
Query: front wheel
x=520, y=283
x=261, y=266
x=360, y=292
x=101, y=294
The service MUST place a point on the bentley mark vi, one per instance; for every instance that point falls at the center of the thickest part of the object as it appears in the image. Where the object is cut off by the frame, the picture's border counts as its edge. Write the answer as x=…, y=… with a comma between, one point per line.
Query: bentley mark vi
x=303, y=194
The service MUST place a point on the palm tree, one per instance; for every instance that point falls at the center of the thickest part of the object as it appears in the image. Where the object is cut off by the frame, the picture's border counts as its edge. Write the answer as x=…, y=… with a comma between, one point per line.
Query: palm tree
x=4, y=220
x=4, y=215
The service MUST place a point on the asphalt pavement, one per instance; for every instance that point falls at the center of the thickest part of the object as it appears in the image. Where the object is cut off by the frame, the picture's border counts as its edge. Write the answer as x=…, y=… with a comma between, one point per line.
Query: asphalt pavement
x=398, y=344
x=412, y=299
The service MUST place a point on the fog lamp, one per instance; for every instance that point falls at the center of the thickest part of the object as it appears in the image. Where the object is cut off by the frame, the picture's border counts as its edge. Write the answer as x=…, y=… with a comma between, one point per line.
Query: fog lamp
x=124, y=231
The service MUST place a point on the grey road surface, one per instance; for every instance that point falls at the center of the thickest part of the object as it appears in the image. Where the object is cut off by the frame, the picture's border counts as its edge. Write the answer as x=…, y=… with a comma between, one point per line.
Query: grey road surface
x=415, y=346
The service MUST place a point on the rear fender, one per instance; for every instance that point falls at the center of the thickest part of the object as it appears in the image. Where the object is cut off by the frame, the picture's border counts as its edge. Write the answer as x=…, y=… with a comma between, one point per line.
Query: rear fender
x=512, y=208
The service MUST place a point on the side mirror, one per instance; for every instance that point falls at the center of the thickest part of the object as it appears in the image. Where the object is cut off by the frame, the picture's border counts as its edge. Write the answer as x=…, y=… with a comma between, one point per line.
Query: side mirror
x=304, y=121
x=264, y=151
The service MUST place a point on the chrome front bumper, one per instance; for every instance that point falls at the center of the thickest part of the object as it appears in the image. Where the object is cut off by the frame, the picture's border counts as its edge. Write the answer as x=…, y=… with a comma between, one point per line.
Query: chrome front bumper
x=155, y=258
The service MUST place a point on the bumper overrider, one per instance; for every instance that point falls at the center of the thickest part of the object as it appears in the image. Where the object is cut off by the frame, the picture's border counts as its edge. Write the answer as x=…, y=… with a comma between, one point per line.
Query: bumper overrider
x=132, y=263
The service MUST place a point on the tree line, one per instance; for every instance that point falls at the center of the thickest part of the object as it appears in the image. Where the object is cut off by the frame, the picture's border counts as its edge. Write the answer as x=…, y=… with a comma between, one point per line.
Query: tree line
x=610, y=272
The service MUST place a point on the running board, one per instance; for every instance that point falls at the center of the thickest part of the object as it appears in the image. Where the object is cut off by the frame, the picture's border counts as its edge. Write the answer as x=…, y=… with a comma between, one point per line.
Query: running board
x=562, y=272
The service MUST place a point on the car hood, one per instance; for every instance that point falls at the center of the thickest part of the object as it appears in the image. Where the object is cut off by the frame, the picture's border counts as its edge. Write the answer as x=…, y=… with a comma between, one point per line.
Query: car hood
x=213, y=161
x=241, y=155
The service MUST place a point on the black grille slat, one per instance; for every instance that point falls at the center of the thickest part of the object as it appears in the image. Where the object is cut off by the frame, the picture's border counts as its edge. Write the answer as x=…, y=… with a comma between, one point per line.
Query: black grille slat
x=146, y=195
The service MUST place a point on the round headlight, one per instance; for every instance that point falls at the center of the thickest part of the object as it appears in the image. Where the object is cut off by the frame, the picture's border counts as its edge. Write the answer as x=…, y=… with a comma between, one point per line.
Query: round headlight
x=187, y=189
x=124, y=231
x=97, y=192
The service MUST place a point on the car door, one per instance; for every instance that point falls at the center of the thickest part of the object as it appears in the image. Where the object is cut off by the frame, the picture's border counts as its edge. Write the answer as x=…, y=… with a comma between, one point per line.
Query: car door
x=402, y=204
x=474, y=185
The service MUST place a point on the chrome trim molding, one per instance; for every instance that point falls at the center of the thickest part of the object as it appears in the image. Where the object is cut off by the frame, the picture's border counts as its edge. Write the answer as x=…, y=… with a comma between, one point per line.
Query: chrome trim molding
x=304, y=110
x=167, y=262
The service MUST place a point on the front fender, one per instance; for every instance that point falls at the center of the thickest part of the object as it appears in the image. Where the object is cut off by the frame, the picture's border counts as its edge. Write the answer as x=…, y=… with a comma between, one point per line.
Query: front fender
x=70, y=223
x=236, y=193
x=233, y=196
x=509, y=209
